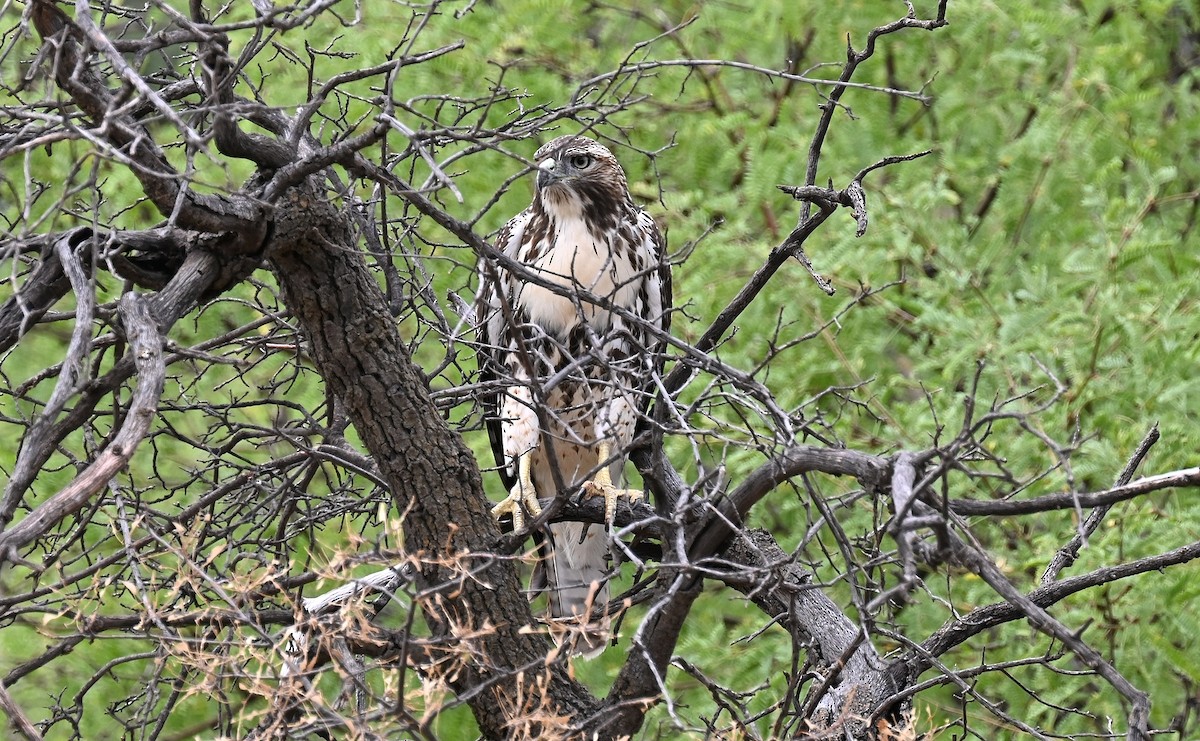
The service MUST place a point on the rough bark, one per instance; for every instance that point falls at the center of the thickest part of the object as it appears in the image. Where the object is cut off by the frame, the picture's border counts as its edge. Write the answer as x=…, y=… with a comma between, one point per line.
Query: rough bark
x=433, y=477
x=857, y=678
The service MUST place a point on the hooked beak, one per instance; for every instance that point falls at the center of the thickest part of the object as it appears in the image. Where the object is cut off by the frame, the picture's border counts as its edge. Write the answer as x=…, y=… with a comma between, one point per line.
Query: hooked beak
x=548, y=173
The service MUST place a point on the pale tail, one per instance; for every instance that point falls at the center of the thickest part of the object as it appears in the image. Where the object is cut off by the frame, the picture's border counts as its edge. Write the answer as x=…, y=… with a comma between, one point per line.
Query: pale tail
x=574, y=567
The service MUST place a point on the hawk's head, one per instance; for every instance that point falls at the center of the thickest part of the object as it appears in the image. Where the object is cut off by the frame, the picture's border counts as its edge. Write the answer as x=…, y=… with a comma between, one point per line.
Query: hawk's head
x=579, y=176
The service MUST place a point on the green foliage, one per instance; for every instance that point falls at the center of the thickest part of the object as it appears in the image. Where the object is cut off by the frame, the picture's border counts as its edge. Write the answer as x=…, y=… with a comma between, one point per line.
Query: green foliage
x=1056, y=223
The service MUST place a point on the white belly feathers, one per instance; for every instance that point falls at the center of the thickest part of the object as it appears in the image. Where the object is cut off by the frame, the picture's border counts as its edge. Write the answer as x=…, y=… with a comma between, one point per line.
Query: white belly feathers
x=577, y=261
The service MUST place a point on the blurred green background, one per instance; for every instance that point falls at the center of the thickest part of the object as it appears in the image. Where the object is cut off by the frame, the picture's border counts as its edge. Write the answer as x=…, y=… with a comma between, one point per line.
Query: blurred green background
x=1055, y=224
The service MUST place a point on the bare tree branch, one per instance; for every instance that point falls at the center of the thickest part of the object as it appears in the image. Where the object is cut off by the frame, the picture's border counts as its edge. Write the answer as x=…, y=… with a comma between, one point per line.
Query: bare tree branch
x=271, y=498
x=145, y=349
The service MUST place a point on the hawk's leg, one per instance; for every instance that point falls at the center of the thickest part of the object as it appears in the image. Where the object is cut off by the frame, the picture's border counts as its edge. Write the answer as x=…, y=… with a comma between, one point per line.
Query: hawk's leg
x=602, y=486
x=521, y=494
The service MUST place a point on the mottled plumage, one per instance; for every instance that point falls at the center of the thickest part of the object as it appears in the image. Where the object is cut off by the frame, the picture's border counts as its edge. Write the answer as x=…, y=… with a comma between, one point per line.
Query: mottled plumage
x=578, y=373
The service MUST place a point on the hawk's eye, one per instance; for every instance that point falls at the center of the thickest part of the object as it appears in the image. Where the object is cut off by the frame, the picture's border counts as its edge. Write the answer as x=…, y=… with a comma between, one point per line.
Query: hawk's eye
x=580, y=161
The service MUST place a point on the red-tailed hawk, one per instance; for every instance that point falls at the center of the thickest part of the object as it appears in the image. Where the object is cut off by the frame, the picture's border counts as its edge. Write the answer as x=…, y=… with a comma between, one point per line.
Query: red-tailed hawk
x=578, y=372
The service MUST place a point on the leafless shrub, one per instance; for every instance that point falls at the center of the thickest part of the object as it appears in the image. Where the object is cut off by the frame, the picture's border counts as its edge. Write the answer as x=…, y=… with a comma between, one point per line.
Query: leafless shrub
x=177, y=488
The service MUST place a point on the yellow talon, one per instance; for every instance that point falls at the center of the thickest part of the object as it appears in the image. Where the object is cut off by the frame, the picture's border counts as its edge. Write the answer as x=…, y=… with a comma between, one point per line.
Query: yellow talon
x=522, y=493
x=601, y=486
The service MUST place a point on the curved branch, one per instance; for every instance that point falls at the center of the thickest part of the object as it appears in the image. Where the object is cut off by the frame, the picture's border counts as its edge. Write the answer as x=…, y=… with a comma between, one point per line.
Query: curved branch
x=192, y=279
x=871, y=470
x=959, y=629
x=160, y=181
x=633, y=69
x=17, y=718
x=971, y=555
x=145, y=348
x=42, y=289
x=858, y=678
x=1070, y=550
x=853, y=59
x=792, y=245
x=1188, y=477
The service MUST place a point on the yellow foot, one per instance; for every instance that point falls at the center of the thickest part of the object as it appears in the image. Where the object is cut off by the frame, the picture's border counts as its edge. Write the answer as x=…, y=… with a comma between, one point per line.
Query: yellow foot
x=521, y=494
x=601, y=488
x=512, y=506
